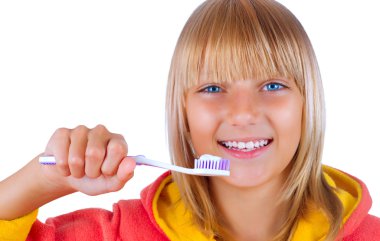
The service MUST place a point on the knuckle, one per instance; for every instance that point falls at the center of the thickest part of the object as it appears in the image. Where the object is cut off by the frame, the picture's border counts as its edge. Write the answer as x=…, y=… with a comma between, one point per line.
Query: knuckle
x=101, y=128
x=61, y=132
x=117, y=147
x=107, y=171
x=121, y=138
x=93, y=153
x=81, y=129
x=76, y=161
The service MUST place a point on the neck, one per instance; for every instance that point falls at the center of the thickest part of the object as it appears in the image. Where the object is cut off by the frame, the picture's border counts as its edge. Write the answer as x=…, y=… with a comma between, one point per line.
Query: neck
x=250, y=213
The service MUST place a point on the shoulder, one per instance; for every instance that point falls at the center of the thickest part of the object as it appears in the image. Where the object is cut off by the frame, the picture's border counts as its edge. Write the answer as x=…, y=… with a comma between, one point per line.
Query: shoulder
x=136, y=223
x=129, y=209
x=137, y=218
x=368, y=229
x=143, y=207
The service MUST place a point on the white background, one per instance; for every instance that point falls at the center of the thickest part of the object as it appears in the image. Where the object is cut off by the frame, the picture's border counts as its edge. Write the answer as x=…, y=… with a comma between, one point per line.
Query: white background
x=65, y=63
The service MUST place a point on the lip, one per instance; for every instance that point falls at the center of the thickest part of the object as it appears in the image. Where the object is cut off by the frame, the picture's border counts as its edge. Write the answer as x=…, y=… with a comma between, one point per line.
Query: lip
x=249, y=154
x=247, y=139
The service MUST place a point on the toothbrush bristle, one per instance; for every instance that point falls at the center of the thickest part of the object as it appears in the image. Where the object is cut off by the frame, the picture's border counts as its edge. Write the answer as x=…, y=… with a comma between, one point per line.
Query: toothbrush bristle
x=222, y=164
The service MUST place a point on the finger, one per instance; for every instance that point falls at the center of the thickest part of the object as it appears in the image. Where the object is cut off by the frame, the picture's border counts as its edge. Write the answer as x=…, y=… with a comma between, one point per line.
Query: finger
x=124, y=174
x=77, y=150
x=58, y=147
x=116, y=150
x=126, y=169
x=98, y=139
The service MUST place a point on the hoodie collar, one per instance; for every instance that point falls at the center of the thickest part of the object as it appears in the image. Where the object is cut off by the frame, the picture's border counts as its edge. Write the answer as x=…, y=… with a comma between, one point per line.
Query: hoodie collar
x=163, y=202
x=355, y=200
x=172, y=216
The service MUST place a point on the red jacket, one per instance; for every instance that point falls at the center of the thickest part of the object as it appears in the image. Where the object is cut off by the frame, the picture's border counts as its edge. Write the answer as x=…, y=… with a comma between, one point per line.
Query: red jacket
x=154, y=217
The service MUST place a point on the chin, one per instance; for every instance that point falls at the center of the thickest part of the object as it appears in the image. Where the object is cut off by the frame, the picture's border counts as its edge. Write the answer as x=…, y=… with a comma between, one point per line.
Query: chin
x=247, y=178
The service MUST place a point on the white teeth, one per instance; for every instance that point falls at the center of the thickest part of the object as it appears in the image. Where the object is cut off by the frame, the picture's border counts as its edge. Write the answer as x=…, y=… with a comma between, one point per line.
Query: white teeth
x=241, y=145
x=249, y=145
x=246, y=145
x=234, y=144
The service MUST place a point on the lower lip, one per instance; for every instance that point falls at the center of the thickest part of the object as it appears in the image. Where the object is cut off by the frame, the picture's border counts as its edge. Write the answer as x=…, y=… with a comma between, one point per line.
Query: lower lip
x=246, y=154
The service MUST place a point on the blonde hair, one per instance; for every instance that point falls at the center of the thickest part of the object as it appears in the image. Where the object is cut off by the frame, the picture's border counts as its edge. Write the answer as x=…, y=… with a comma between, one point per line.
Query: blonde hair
x=243, y=39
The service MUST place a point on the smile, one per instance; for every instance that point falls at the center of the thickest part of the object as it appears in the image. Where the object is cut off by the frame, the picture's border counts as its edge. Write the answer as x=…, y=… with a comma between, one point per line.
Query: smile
x=245, y=146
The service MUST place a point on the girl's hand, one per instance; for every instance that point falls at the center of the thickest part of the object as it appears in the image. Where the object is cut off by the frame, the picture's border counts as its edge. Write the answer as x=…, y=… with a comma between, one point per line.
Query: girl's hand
x=92, y=161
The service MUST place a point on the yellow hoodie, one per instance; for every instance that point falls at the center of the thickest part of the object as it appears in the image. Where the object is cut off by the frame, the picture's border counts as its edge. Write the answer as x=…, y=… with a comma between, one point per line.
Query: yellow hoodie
x=175, y=221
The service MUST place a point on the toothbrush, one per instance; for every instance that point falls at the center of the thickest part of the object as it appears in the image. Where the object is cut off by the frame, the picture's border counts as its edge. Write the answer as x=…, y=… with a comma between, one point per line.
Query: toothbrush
x=206, y=165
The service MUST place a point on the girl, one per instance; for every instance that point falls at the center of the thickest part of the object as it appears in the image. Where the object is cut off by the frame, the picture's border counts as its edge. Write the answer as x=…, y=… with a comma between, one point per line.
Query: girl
x=244, y=85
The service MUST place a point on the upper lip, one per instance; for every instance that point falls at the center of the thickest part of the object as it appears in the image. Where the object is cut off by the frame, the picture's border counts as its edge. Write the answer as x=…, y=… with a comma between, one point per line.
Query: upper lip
x=245, y=139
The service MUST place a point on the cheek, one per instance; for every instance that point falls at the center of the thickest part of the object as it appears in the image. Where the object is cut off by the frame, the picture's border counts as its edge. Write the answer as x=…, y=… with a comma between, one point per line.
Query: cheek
x=203, y=122
x=288, y=122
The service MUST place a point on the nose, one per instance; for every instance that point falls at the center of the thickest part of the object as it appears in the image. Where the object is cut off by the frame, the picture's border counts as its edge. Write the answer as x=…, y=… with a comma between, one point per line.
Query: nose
x=244, y=109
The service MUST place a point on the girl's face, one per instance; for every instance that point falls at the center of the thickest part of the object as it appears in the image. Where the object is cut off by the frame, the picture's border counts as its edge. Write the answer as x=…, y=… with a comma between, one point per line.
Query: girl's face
x=256, y=124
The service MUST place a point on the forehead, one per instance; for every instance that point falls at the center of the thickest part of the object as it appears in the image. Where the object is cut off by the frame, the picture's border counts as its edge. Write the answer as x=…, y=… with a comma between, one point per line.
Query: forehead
x=228, y=42
x=225, y=76
x=215, y=69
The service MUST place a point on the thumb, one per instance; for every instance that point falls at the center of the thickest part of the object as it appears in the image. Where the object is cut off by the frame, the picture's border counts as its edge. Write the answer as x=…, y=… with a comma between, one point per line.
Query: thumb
x=126, y=169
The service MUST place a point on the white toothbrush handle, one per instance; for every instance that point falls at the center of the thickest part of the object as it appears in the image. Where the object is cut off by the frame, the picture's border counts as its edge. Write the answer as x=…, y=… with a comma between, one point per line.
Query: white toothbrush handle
x=206, y=170
x=141, y=160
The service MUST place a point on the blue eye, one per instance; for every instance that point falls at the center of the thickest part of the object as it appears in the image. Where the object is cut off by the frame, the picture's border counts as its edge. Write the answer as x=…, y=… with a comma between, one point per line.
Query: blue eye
x=273, y=87
x=212, y=89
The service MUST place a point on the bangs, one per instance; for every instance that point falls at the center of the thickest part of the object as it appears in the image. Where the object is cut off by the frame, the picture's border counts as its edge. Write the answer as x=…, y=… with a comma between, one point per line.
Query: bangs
x=237, y=40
